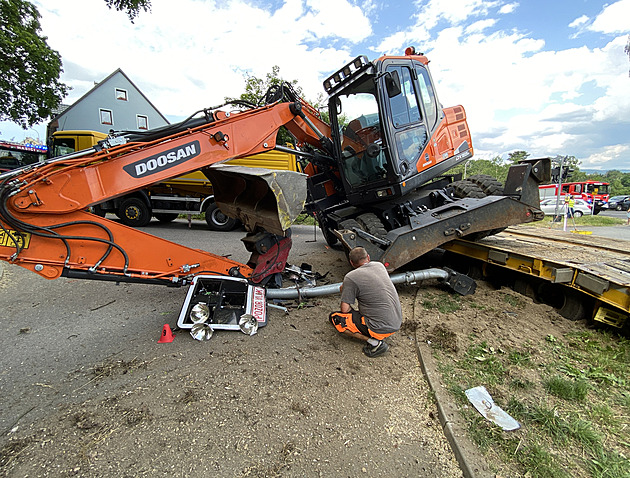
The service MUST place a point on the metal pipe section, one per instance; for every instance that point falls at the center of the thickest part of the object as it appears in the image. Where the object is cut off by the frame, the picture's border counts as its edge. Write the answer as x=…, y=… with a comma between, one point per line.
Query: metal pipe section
x=400, y=278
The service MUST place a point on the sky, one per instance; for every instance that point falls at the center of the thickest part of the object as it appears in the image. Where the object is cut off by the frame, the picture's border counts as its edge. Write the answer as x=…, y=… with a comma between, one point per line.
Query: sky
x=547, y=77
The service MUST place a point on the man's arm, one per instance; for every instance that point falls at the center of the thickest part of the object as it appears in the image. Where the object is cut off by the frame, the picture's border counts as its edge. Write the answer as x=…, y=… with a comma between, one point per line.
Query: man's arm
x=345, y=308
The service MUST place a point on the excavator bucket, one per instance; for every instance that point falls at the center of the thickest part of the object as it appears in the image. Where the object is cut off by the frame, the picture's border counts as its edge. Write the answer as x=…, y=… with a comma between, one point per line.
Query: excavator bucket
x=258, y=197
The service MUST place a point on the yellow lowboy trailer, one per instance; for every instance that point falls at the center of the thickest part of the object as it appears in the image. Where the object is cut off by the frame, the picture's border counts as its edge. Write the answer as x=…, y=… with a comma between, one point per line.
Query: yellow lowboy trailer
x=584, y=277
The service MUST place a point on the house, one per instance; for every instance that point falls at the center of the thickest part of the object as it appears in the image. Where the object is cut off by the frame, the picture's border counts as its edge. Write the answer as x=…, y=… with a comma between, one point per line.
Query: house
x=115, y=103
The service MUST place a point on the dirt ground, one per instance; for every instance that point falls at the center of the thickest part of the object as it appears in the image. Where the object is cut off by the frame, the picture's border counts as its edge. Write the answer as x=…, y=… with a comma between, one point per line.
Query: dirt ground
x=296, y=399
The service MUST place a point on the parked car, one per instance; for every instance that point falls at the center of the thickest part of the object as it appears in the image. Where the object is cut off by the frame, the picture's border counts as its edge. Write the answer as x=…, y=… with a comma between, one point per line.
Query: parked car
x=581, y=207
x=619, y=203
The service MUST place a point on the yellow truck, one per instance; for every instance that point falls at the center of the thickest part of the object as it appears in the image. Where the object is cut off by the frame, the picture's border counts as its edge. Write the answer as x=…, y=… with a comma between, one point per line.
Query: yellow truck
x=188, y=194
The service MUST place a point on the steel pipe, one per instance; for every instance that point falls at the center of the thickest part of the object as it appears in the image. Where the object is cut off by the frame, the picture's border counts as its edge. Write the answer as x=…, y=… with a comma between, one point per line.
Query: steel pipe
x=400, y=278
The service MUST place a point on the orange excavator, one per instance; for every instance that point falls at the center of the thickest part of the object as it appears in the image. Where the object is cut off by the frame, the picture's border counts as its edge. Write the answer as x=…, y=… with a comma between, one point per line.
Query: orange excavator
x=376, y=177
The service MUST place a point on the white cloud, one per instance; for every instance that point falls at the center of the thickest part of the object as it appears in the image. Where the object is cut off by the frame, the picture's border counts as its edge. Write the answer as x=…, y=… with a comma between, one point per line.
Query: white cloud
x=578, y=22
x=609, y=157
x=192, y=54
x=614, y=18
x=509, y=8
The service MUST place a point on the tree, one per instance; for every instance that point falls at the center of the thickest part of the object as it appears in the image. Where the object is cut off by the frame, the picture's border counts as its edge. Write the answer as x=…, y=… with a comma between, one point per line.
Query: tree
x=30, y=89
x=131, y=7
x=495, y=167
x=255, y=90
x=517, y=156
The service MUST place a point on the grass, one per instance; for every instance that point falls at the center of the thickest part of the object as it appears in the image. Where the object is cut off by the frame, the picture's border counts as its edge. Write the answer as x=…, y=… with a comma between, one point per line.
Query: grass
x=592, y=221
x=444, y=303
x=571, y=397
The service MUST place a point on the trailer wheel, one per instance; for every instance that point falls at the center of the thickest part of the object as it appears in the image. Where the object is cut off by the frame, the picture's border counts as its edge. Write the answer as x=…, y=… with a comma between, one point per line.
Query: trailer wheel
x=372, y=224
x=489, y=185
x=569, y=303
x=217, y=221
x=134, y=212
x=166, y=216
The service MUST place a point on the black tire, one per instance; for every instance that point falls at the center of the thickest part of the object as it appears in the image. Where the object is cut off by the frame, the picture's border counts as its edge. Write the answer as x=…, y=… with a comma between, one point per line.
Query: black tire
x=618, y=207
x=134, y=212
x=577, y=213
x=467, y=189
x=166, y=216
x=329, y=236
x=350, y=224
x=489, y=185
x=217, y=221
x=372, y=224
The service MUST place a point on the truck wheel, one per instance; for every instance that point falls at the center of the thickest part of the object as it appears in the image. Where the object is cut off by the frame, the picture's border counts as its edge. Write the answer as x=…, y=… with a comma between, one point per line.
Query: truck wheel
x=329, y=237
x=489, y=185
x=166, y=216
x=134, y=212
x=217, y=221
x=371, y=223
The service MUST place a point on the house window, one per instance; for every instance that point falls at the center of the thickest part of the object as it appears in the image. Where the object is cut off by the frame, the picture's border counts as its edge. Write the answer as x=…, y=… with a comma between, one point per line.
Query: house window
x=107, y=117
x=121, y=94
x=143, y=121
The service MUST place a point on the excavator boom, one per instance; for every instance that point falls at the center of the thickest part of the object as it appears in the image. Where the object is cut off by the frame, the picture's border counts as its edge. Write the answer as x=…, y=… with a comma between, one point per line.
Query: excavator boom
x=45, y=226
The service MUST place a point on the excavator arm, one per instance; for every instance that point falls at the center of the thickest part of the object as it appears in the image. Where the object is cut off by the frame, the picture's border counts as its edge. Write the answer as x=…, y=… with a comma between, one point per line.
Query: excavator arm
x=45, y=225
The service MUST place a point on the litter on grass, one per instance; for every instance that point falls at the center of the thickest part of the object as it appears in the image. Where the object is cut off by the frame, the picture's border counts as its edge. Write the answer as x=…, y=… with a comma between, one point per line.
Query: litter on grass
x=482, y=401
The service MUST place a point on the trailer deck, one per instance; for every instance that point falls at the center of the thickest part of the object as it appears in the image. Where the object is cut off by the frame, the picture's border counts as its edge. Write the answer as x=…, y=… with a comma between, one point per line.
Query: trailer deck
x=584, y=276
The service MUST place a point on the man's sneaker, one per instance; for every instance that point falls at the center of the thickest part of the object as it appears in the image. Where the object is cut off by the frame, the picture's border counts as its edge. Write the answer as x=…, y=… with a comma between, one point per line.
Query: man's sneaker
x=375, y=350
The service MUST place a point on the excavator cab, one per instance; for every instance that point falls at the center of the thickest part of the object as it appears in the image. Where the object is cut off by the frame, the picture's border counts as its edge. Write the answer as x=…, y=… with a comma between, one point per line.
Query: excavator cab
x=383, y=114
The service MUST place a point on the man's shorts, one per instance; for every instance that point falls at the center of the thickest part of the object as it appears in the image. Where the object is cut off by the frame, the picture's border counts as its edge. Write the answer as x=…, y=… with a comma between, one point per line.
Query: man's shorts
x=355, y=323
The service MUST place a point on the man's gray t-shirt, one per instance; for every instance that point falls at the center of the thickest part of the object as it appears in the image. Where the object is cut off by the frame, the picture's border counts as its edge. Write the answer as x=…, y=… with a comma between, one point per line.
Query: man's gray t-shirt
x=378, y=300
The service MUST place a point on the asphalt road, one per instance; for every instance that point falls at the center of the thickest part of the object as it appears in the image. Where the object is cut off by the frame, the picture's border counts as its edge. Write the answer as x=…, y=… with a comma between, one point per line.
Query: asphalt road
x=50, y=330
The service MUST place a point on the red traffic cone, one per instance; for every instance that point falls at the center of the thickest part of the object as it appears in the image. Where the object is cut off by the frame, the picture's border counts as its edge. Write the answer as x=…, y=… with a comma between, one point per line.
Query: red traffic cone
x=167, y=335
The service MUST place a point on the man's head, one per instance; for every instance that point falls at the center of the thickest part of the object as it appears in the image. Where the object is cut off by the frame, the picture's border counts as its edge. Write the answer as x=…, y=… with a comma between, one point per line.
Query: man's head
x=358, y=256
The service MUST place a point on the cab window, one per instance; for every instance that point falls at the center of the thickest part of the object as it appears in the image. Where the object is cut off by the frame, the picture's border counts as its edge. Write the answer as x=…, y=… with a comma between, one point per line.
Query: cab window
x=404, y=106
x=63, y=146
x=411, y=135
x=428, y=97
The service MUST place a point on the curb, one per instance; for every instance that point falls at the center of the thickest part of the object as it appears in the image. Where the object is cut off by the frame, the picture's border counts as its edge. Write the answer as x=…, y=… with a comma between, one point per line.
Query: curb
x=471, y=462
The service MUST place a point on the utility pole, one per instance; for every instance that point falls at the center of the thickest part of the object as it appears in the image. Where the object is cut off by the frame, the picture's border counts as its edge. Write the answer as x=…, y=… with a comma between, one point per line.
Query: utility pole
x=556, y=217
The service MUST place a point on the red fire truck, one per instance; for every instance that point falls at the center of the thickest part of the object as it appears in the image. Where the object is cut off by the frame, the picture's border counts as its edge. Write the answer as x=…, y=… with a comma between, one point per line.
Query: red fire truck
x=593, y=192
